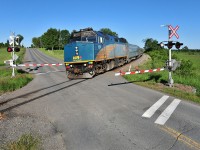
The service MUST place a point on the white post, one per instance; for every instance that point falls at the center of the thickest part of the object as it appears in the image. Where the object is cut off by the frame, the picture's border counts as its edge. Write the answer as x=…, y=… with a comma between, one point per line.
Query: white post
x=170, y=80
x=13, y=56
x=129, y=68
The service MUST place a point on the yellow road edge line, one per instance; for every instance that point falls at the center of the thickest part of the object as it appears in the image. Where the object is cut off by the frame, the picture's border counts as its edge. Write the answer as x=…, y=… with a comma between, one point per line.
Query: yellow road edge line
x=180, y=137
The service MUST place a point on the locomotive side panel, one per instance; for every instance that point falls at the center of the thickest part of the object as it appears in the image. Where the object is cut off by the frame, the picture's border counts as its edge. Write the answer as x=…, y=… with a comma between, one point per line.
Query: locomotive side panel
x=133, y=51
x=120, y=50
x=106, y=53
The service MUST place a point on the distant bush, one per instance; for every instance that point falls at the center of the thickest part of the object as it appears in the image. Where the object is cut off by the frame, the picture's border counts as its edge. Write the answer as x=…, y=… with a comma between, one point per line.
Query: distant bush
x=159, y=57
x=186, y=68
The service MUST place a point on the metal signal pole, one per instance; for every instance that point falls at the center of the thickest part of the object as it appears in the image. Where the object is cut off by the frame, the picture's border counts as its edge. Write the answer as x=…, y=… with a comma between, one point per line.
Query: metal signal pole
x=14, y=57
x=170, y=80
x=13, y=54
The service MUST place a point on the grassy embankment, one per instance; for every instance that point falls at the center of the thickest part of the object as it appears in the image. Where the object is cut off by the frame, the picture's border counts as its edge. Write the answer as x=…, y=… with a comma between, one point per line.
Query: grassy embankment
x=55, y=53
x=8, y=84
x=188, y=74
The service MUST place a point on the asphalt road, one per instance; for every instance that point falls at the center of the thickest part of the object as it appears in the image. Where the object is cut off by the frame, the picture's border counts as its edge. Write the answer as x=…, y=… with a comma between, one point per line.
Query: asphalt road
x=106, y=113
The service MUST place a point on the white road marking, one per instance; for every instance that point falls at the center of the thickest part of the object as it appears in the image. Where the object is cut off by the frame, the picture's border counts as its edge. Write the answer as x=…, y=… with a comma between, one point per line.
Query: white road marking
x=167, y=112
x=153, y=108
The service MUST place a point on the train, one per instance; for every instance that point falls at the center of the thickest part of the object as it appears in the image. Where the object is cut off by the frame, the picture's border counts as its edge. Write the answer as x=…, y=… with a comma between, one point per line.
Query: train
x=91, y=52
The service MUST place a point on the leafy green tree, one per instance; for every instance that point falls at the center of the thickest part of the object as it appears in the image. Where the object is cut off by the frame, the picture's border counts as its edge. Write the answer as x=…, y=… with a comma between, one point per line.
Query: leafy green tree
x=1, y=44
x=64, y=38
x=7, y=43
x=50, y=39
x=108, y=31
x=20, y=38
x=151, y=44
x=36, y=41
x=73, y=31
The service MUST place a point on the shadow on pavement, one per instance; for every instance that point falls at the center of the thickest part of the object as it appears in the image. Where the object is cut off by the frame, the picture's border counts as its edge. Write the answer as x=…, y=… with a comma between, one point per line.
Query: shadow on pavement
x=27, y=94
x=33, y=99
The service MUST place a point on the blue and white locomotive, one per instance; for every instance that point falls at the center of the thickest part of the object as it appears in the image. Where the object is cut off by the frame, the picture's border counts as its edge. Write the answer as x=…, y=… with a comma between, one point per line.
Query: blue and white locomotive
x=92, y=52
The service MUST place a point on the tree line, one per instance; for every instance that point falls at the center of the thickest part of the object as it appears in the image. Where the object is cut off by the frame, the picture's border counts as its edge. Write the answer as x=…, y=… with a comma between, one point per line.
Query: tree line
x=56, y=39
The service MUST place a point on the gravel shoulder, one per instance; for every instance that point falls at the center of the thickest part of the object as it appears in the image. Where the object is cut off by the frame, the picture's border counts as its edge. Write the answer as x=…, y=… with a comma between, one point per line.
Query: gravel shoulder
x=14, y=122
x=134, y=64
x=14, y=125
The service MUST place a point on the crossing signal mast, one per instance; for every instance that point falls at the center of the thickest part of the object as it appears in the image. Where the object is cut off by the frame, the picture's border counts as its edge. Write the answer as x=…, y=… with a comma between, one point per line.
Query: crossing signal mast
x=171, y=64
x=14, y=40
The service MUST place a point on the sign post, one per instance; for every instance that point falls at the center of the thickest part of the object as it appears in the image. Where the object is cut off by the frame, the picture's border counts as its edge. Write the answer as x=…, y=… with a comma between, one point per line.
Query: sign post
x=14, y=57
x=171, y=33
x=12, y=42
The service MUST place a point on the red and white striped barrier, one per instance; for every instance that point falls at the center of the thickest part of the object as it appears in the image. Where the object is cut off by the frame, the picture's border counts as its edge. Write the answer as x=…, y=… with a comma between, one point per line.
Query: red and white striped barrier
x=37, y=65
x=138, y=72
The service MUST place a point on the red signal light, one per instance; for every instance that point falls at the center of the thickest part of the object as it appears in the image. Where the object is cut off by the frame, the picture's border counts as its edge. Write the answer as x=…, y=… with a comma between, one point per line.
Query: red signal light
x=9, y=49
x=178, y=45
x=170, y=44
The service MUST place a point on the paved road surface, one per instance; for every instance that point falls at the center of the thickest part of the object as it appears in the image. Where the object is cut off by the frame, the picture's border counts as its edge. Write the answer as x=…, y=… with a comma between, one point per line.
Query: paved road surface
x=103, y=113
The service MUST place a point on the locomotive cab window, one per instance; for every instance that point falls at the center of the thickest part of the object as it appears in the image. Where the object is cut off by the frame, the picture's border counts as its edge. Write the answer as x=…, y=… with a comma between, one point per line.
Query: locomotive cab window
x=116, y=39
x=89, y=39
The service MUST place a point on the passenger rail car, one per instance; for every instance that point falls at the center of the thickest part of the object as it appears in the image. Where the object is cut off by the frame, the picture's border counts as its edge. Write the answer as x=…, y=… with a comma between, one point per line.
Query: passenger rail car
x=92, y=52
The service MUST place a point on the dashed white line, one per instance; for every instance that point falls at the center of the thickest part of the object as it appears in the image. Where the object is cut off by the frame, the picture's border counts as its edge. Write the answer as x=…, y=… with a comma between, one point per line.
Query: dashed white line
x=167, y=112
x=153, y=108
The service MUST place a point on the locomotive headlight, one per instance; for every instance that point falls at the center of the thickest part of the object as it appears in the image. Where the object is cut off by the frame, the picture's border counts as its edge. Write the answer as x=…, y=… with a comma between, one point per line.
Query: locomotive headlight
x=76, y=50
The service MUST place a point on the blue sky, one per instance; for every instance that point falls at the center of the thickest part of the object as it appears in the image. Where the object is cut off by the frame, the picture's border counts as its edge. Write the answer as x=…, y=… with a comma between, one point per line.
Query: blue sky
x=135, y=20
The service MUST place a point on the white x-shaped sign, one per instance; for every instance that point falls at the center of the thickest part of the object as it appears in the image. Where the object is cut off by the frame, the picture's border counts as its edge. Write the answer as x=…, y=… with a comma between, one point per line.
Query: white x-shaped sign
x=173, y=31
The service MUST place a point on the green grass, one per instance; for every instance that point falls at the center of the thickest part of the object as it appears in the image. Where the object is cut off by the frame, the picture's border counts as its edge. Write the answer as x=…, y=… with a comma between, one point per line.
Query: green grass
x=54, y=53
x=7, y=83
x=153, y=80
x=4, y=55
x=25, y=142
x=194, y=57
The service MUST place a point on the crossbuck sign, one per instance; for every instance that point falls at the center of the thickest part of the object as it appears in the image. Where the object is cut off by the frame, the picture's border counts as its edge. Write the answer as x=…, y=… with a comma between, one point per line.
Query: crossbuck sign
x=173, y=31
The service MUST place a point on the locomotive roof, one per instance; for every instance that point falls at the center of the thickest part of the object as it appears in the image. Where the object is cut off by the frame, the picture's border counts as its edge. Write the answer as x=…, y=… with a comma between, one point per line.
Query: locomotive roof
x=89, y=31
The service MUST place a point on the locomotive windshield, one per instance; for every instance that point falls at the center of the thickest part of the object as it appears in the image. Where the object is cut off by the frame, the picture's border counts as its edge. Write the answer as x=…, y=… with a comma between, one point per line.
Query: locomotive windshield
x=83, y=35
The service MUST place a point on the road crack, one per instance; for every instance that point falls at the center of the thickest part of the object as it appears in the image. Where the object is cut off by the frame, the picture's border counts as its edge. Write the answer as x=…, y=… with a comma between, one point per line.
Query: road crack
x=181, y=137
